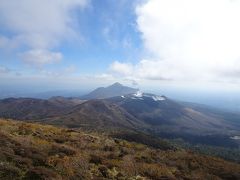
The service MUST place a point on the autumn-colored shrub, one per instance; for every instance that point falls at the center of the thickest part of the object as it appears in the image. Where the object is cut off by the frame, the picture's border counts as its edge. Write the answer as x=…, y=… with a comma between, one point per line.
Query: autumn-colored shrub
x=9, y=171
x=34, y=151
x=96, y=159
x=155, y=171
x=109, y=148
x=41, y=173
x=103, y=170
x=61, y=149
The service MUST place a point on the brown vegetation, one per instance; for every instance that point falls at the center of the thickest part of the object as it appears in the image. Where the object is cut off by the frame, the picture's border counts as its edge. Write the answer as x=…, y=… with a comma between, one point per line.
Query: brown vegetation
x=34, y=151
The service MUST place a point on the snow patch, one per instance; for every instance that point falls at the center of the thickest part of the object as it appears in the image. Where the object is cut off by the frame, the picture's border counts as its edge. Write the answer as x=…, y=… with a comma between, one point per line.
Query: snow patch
x=235, y=137
x=158, y=98
x=137, y=98
x=142, y=96
x=138, y=94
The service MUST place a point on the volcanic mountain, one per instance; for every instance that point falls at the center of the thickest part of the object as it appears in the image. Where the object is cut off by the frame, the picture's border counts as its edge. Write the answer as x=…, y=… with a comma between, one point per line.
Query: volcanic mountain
x=115, y=89
x=172, y=119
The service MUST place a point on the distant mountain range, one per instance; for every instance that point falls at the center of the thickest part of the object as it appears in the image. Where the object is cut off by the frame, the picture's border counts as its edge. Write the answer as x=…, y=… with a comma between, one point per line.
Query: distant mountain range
x=115, y=89
x=33, y=109
x=124, y=108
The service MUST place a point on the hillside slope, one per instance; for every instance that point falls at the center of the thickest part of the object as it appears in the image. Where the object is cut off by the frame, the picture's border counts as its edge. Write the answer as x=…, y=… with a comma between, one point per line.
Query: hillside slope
x=171, y=119
x=166, y=115
x=33, y=151
x=32, y=109
x=97, y=114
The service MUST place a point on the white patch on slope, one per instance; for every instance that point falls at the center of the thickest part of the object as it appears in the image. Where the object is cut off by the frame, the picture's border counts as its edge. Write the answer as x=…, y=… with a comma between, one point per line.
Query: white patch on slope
x=158, y=98
x=235, y=137
x=138, y=94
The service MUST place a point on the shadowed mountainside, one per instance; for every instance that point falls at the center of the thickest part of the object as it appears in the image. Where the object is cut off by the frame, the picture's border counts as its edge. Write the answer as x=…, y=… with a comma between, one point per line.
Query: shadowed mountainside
x=32, y=109
x=97, y=114
x=166, y=115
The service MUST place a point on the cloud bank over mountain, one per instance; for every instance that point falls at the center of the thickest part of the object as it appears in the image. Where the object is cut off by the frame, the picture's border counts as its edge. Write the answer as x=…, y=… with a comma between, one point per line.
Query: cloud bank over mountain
x=187, y=40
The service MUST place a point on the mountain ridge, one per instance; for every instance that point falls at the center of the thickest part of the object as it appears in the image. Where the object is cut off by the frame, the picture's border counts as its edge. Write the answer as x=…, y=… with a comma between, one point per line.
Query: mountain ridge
x=115, y=89
x=145, y=112
x=97, y=114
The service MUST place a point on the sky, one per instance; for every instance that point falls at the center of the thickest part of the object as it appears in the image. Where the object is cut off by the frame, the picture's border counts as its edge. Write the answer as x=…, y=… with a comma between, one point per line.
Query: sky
x=152, y=44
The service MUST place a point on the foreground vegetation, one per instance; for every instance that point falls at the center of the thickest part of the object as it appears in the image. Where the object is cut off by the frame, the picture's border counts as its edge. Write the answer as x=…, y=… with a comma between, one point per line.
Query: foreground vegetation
x=34, y=151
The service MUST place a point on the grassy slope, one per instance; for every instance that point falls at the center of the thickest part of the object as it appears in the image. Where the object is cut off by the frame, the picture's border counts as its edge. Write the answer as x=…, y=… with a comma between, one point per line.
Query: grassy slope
x=34, y=151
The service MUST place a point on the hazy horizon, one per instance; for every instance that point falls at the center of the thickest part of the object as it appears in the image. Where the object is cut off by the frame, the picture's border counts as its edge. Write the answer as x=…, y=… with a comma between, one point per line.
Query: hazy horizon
x=226, y=99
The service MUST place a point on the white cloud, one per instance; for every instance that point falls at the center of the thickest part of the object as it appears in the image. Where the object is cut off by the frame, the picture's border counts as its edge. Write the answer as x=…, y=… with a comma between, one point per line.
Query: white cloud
x=145, y=69
x=189, y=40
x=121, y=68
x=39, y=57
x=38, y=24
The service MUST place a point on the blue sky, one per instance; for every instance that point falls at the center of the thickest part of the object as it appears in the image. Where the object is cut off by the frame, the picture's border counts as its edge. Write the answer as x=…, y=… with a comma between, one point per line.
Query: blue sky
x=109, y=33
x=104, y=31
x=78, y=44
